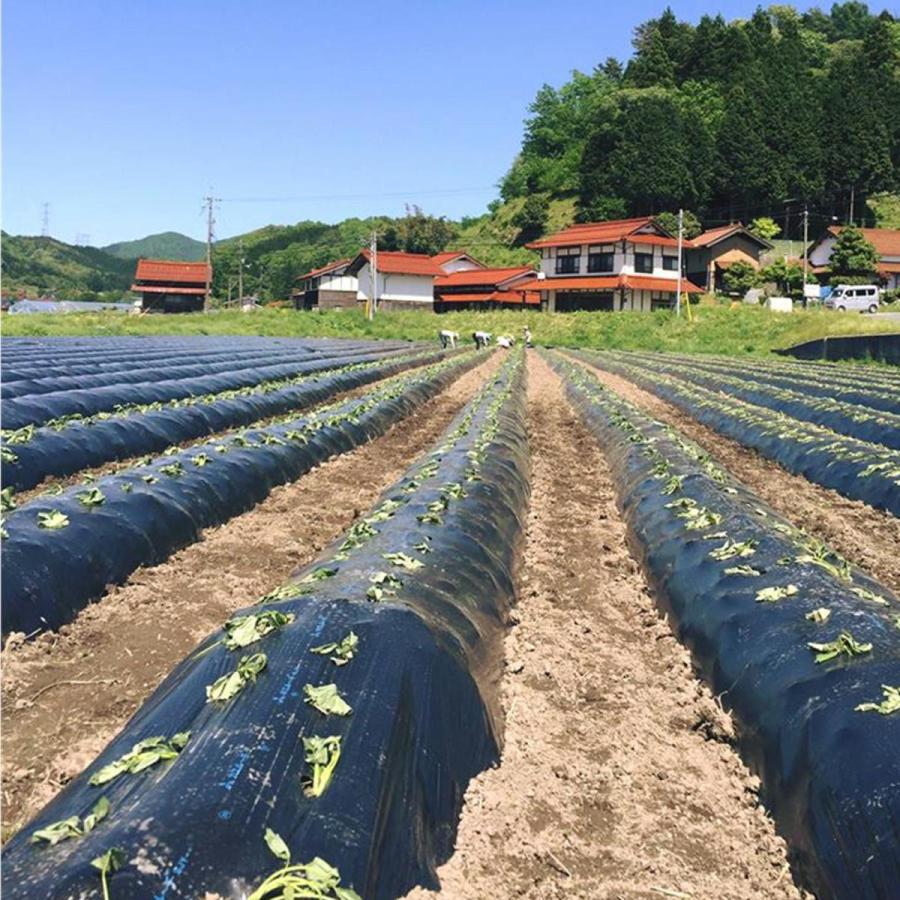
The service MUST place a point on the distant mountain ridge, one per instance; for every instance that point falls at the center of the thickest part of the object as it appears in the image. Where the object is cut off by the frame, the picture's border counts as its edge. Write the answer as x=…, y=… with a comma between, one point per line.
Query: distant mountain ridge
x=165, y=245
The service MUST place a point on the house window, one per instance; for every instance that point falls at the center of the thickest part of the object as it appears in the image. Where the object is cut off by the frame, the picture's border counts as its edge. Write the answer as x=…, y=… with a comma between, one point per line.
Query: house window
x=661, y=301
x=643, y=262
x=670, y=263
x=568, y=260
x=600, y=260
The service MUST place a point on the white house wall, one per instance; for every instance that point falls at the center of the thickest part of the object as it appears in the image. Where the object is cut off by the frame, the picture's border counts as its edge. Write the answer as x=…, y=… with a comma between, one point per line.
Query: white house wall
x=408, y=288
x=623, y=261
x=459, y=265
x=338, y=283
x=821, y=255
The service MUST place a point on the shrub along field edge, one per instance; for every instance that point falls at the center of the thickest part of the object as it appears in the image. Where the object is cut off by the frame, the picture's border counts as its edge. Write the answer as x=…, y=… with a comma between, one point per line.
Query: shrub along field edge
x=714, y=329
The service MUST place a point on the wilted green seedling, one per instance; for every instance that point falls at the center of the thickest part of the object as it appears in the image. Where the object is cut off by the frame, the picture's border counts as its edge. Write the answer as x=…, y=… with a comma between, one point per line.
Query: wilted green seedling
x=776, y=593
x=403, y=561
x=8, y=456
x=322, y=755
x=173, y=470
x=7, y=499
x=731, y=549
x=819, y=615
x=142, y=755
x=201, y=459
x=870, y=596
x=242, y=631
x=743, y=570
x=231, y=685
x=52, y=520
x=109, y=862
x=326, y=699
x=93, y=497
x=843, y=645
x=340, y=652
x=72, y=827
x=315, y=880
x=890, y=704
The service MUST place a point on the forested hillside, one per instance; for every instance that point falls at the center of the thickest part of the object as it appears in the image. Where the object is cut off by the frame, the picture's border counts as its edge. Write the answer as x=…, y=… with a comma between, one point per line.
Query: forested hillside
x=40, y=265
x=167, y=245
x=729, y=120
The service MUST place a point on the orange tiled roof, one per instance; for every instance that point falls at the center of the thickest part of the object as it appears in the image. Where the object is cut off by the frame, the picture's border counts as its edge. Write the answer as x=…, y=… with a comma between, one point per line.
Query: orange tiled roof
x=170, y=270
x=323, y=269
x=481, y=276
x=393, y=262
x=600, y=233
x=886, y=241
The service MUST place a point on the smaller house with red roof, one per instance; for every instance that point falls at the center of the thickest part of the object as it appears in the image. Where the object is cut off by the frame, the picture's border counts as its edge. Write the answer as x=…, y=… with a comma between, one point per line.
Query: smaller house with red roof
x=167, y=285
x=709, y=255
x=328, y=287
x=485, y=288
x=625, y=264
x=404, y=280
x=886, y=242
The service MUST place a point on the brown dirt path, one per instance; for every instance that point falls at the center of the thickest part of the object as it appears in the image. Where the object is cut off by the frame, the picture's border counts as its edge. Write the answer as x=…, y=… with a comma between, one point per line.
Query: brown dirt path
x=618, y=777
x=66, y=695
x=867, y=537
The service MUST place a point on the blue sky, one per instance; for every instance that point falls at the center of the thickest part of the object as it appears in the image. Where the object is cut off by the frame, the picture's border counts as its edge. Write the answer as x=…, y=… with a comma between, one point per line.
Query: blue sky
x=123, y=113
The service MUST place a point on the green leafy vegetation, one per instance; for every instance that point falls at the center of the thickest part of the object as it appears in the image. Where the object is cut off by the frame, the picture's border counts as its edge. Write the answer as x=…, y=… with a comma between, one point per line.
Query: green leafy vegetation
x=321, y=754
x=142, y=755
x=233, y=683
x=73, y=827
x=339, y=652
x=326, y=699
x=890, y=703
x=843, y=645
x=107, y=863
x=315, y=880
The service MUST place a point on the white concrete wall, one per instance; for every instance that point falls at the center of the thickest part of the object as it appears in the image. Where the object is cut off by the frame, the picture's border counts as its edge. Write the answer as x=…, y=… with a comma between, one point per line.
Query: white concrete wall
x=338, y=283
x=409, y=288
x=459, y=265
x=822, y=254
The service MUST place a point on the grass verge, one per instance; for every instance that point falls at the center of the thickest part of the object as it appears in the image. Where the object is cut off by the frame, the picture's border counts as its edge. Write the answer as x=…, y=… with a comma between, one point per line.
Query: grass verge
x=738, y=331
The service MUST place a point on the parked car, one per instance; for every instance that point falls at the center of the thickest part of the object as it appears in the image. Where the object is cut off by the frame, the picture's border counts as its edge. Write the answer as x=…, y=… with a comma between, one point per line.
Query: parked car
x=860, y=297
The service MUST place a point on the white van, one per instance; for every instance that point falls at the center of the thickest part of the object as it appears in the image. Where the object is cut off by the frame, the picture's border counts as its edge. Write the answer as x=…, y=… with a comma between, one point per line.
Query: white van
x=859, y=297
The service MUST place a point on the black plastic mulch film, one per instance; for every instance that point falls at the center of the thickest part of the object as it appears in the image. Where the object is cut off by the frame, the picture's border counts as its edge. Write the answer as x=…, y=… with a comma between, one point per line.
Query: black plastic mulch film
x=854, y=417
x=748, y=593
x=143, y=514
x=34, y=454
x=424, y=582
x=857, y=469
x=58, y=375
x=20, y=412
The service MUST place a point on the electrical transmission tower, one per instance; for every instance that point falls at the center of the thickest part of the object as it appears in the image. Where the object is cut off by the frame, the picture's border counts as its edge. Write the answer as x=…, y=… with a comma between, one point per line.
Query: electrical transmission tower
x=45, y=220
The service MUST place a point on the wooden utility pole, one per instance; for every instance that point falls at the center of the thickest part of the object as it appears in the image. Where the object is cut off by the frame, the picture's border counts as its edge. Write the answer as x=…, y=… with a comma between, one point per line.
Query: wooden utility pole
x=680, y=240
x=805, y=248
x=373, y=269
x=241, y=272
x=209, y=202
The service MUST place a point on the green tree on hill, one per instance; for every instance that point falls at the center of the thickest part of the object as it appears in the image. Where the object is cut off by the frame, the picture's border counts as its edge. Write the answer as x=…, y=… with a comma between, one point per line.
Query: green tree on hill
x=417, y=232
x=765, y=227
x=669, y=221
x=740, y=277
x=853, y=257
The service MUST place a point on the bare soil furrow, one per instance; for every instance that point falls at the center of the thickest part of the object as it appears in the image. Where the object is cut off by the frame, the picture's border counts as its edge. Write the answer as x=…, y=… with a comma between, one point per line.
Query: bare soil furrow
x=619, y=776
